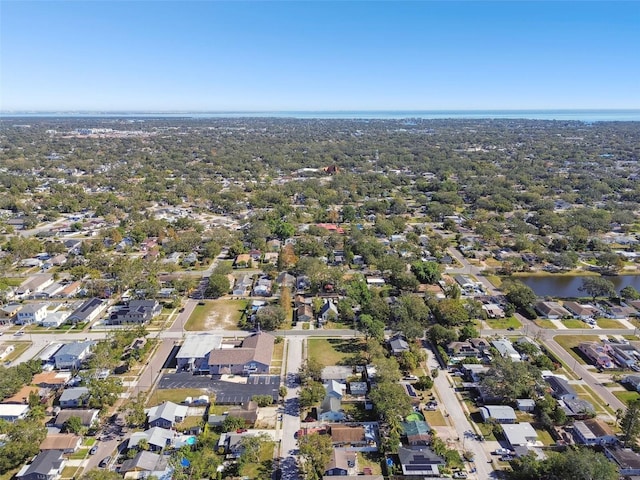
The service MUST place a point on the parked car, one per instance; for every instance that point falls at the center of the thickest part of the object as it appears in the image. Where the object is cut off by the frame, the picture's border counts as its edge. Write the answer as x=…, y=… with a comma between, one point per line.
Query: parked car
x=105, y=461
x=460, y=475
x=502, y=451
x=93, y=450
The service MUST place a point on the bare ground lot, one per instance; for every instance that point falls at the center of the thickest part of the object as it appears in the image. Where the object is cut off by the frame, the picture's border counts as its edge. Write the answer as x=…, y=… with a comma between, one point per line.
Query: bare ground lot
x=220, y=314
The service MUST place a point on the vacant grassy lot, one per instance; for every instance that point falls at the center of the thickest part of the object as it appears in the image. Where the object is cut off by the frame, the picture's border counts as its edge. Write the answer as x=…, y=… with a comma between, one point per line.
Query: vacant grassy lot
x=222, y=313
x=608, y=323
x=263, y=468
x=370, y=460
x=504, y=323
x=175, y=395
x=570, y=344
x=329, y=351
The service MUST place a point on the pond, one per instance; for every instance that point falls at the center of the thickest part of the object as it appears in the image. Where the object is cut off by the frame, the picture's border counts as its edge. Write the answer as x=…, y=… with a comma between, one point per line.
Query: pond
x=564, y=286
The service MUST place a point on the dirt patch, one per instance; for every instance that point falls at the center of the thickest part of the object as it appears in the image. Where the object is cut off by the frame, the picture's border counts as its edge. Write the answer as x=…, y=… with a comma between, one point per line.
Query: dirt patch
x=220, y=320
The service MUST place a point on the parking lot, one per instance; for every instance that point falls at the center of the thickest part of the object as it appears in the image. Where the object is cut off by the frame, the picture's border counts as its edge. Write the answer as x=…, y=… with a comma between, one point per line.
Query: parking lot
x=226, y=393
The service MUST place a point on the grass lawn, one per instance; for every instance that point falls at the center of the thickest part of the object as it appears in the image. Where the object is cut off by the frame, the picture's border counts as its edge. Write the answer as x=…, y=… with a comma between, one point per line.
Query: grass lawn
x=570, y=344
x=544, y=323
x=434, y=418
x=175, y=395
x=608, y=323
x=88, y=441
x=370, y=460
x=336, y=326
x=495, y=280
x=503, y=323
x=358, y=412
x=221, y=313
x=263, y=468
x=19, y=349
x=305, y=325
x=190, y=422
x=574, y=323
x=626, y=396
x=69, y=472
x=545, y=437
x=80, y=454
x=329, y=351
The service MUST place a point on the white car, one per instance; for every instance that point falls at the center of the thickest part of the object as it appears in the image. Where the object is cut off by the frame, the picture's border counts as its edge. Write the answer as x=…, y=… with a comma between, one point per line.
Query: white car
x=502, y=451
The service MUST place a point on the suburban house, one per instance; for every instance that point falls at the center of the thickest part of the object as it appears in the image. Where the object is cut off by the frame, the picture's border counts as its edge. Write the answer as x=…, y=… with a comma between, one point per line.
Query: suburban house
x=498, y=413
x=420, y=461
x=242, y=261
x=331, y=410
x=417, y=432
x=31, y=313
x=593, y=431
x=22, y=396
x=71, y=355
x=329, y=311
x=633, y=381
x=10, y=412
x=136, y=311
x=286, y=279
x=243, y=283
x=67, y=442
x=597, y=354
x=493, y=310
x=88, y=311
x=74, y=397
x=304, y=313
x=87, y=417
x=526, y=404
x=398, y=344
x=481, y=344
x=552, y=310
x=361, y=438
x=335, y=388
x=342, y=462
x=55, y=319
x=560, y=388
x=157, y=438
x=166, y=415
x=462, y=349
x=627, y=460
x=146, y=464
x=262, y=288
x=34, y=284
x=253, y=356
x=624, y=354
x=505, y=348
x=46, y=465
x=583, y=312
x=519, y=434
x=8, y=312
x=193, y=355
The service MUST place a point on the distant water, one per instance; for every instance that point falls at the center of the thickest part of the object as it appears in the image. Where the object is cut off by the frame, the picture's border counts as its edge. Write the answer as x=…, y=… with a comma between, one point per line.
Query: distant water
x=562, y=115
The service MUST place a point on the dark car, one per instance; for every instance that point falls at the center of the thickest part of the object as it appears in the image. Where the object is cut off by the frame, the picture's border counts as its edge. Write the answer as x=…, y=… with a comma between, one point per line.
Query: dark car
x=93, y=450
x=105, y=461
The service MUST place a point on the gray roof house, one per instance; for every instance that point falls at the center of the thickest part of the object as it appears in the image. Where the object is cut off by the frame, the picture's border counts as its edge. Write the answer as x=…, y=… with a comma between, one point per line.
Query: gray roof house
x=331, y=410
x=342, y=462
x=398, y=344
x=153, y=463
x=157, y=437
x=88, y=311
x=328, y=311
x=194, y=352
x=561, y=388
x=253, y=356
x=72, y=355
x=420, y=461
x=499, y=413
x=166, y=415
x=46, y=465
x=74, y=397
x=552, y=310
x=136, y=311
x=88, y=417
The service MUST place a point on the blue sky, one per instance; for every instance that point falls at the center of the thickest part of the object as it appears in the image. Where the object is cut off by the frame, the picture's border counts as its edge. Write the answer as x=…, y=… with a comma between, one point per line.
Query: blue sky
x=304, y=55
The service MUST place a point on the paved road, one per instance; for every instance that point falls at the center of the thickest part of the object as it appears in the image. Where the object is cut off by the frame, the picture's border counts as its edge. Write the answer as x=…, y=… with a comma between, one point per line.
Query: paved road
x=463, y=428
x=291, y=416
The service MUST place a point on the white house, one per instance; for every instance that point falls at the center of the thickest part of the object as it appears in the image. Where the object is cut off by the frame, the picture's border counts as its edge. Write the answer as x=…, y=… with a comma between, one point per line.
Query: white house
x=12, y=412
x=31, y=313
x=71, y=355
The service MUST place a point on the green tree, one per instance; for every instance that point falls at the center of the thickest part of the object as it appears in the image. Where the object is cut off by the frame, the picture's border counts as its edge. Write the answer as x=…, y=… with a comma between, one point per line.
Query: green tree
x=426, y=272
x=519, y=294
x=630, y=423
x=371, y=327
x=442, y=336
x=219, y=285
x=231, y=423
x=74, y=425
x=629, y=293
x=315, y=451
x=598, y=287
x=450, y=311
x=101, y=474
x=311, y=393
x=311, y=370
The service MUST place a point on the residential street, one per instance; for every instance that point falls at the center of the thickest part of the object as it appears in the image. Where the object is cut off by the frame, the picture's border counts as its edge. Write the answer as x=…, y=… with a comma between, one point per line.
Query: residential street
x=291, y=416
